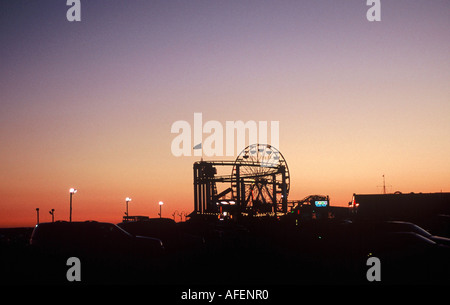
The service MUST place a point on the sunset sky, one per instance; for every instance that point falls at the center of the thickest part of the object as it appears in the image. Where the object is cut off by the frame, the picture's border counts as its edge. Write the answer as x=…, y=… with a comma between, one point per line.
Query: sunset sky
x=90, y=104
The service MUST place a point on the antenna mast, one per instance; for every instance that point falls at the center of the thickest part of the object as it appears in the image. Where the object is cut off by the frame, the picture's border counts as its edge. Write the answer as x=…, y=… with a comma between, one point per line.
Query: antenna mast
x=384, y=185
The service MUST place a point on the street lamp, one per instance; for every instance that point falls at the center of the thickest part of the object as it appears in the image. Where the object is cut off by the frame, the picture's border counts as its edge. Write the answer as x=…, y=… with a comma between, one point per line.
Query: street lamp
x=128, y=199
x=160, y=207
x=72, y=191
x=52, y=212
x=37, y=214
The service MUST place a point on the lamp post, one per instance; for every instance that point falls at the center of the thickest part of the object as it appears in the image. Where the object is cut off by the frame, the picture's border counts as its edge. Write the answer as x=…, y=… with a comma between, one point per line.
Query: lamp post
x=72, y=191
x=52, y=212
x=160, y=208
x=175, y=214
x=37, y=215
x=128, y=199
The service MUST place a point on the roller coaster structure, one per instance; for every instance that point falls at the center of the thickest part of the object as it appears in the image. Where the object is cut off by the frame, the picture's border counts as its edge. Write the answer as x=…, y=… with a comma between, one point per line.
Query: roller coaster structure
x=258, y=184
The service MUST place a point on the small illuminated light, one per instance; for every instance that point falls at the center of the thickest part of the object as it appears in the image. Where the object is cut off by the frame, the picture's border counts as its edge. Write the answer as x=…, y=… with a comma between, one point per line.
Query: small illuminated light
x=161, y=203
x=224, y=202
x=232, y=202
x=357, y=205
x=353, y=202
x=321, y=203
x=73, y=191
x=128, y=199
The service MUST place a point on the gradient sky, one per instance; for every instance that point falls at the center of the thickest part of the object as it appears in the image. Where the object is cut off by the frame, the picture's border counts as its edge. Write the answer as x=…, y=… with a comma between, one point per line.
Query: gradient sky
x=90, y=104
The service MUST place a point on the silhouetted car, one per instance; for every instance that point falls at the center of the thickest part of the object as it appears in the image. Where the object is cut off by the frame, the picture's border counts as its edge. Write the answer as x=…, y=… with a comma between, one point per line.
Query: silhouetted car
x=167, y=230
x=406, y=242
x=92, y=239
x=392, y=239
x=403, y=226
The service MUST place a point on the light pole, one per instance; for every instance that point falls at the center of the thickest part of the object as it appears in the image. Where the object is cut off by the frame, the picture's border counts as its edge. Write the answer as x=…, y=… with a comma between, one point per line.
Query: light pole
x=72, y=191
x=128, y=199
x=160, y=208
x=175, y=214
x=37, y=214
x=52, y=212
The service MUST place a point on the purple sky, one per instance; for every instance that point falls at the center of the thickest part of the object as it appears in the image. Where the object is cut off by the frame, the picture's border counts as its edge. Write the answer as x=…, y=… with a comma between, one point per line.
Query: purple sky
x=91, y=103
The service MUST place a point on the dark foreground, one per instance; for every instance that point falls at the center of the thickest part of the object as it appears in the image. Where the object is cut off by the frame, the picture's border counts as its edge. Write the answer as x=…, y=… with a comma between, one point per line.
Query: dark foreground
x=254, y=252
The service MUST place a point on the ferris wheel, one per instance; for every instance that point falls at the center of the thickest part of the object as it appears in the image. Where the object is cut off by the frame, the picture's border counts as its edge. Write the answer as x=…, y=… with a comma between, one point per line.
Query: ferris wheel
x=260, y=178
